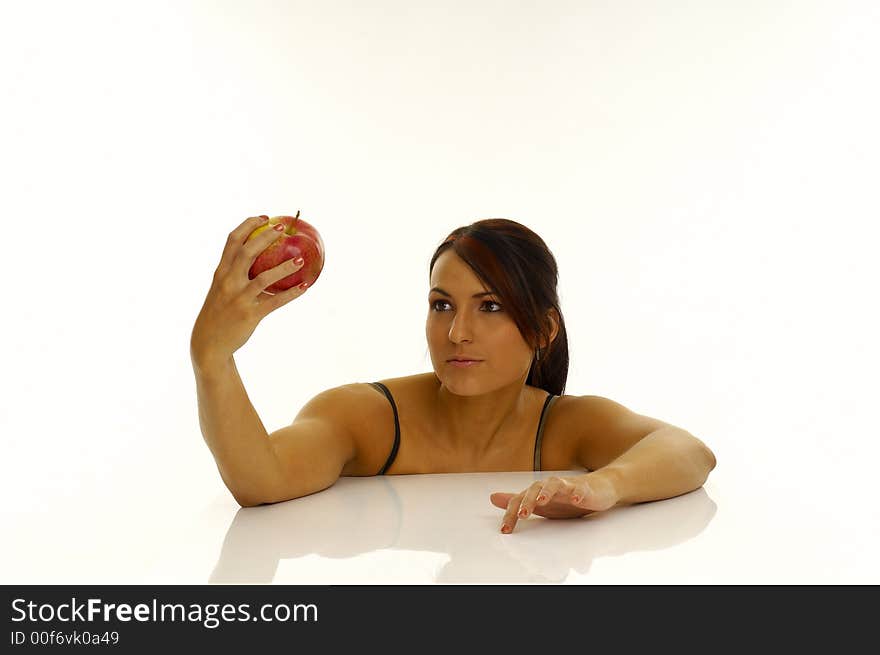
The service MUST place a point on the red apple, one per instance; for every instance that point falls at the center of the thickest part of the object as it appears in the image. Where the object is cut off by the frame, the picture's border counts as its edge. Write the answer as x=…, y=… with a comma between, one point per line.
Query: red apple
x=299, y=239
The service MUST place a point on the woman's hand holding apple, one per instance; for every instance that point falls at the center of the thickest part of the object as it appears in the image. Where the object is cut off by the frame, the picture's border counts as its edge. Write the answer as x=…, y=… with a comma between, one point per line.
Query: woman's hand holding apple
x=235, y=304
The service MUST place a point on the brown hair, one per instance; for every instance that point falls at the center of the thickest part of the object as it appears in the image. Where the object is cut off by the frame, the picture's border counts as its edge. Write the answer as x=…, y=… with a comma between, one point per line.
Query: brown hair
x=515, y=262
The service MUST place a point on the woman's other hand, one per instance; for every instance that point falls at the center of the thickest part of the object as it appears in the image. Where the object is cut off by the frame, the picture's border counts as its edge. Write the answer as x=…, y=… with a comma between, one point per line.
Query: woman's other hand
x=557, y=498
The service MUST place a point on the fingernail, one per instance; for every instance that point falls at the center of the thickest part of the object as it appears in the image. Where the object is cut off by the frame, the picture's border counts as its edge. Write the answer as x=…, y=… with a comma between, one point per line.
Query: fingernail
x=576, y=499
x=298, y=261
x=542, y=498
x=279, y=227
x=505, y=529
x=303, y=285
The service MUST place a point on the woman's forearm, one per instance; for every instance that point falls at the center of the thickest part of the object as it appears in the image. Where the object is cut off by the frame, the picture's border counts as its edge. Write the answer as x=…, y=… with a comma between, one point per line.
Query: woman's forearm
x=234, y=432
x=666, y=463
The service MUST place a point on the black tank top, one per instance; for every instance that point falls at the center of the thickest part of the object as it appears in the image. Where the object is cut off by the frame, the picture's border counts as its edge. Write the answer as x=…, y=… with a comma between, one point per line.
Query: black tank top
x=551, y=398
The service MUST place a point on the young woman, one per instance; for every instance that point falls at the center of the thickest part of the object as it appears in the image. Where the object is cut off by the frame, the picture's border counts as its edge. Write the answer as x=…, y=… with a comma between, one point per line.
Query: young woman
x=494, y=401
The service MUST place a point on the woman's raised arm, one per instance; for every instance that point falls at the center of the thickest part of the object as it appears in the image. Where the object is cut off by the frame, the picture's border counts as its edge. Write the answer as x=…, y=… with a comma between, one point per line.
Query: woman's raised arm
x=232, y=309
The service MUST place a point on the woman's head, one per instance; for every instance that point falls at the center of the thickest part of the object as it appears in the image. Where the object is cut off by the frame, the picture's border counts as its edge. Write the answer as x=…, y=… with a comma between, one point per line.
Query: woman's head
x=515, y=326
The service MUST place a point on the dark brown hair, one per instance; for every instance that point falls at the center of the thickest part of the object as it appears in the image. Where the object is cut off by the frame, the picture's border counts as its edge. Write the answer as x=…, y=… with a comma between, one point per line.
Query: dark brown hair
x=516, y=263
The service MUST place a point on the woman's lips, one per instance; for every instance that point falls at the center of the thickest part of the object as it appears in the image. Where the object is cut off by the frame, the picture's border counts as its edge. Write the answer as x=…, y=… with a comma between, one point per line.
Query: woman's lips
x=464, y=364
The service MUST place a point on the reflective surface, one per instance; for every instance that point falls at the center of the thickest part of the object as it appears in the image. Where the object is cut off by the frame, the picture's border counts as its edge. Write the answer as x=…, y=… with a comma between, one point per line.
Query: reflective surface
x=744, y=526
x=438, y=528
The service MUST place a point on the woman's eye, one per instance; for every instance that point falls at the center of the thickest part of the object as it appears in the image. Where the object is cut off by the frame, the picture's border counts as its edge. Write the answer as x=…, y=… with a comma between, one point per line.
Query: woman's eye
x=487, y=302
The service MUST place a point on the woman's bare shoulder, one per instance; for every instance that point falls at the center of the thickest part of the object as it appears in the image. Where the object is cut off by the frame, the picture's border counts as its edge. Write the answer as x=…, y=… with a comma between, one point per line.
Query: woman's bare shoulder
x=368, y=413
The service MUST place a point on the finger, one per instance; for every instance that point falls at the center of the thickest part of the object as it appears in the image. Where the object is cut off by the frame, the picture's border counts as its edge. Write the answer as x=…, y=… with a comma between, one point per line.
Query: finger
x=527, y=504
x=236, y=238
x=264, y=236
x=551, y=488
x=269, y=303
x=271, y=276
x=500, y=499
x=508, y=523
x=596, y=494
x=580, y=493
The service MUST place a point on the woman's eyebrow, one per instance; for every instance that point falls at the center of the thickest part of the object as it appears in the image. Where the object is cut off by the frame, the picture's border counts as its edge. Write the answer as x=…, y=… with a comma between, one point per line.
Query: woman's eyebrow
x=476, y=295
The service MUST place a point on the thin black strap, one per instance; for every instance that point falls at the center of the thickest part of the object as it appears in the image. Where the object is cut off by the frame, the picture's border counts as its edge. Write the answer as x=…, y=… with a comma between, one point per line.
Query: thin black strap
x=393, y=454
x=540, y=435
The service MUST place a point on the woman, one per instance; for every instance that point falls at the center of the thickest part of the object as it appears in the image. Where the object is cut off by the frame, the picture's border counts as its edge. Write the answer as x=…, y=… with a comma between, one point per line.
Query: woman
x=493, y=302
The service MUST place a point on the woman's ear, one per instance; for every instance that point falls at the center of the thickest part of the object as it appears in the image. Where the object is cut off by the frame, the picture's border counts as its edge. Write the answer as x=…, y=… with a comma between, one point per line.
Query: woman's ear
x=553, y=319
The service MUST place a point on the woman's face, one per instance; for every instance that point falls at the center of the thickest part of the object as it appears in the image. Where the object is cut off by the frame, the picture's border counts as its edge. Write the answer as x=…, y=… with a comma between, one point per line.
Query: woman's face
x=478, y=327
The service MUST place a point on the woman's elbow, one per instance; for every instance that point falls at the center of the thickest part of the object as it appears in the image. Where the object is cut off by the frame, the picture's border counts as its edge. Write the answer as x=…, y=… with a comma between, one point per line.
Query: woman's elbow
x=248, y=501
x=710, y=457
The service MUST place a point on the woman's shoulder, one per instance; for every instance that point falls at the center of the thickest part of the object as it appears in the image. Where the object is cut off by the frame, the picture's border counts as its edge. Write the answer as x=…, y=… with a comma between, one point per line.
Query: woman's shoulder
x=369, y=413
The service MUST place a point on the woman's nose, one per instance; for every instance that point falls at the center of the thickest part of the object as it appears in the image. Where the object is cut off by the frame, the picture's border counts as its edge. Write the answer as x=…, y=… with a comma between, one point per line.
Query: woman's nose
x=459, y=330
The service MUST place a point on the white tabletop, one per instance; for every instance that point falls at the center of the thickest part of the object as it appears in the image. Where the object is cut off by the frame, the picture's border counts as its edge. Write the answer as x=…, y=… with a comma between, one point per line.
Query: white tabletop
x=424, y=529
x=442, y=528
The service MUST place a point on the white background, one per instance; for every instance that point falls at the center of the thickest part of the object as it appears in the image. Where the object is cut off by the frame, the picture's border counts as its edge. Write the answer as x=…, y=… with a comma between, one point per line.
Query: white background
x=705, y=174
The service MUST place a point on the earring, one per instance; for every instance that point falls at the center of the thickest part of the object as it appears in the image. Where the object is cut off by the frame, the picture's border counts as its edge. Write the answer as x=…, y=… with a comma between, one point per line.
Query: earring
x=538, y=354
